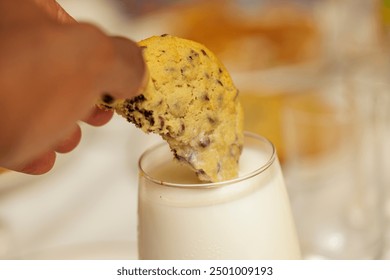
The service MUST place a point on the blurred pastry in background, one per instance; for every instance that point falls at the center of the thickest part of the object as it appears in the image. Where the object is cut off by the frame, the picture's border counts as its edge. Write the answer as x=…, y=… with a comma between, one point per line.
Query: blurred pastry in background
x=250, y=35
x=265, y=113
x=245, y=35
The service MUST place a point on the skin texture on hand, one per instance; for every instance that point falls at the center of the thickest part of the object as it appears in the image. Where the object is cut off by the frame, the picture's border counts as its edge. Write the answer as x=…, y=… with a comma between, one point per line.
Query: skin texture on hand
x=55, y=11
x=52, y=71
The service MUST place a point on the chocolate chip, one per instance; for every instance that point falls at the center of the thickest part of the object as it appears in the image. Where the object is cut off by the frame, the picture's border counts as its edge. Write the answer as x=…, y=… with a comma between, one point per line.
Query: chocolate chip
x=194, y=53
x=211, y=120
x=148, y=116
x=179, y=158
x=204, y=52
x=129, y=107
x=140, y=98
x=206, y=97
x=200, y=172
x=137, y=99
x=107, y=98
x=147, y=113
x=162, y=122
x=204, y=141
x=219, y=82
x=164, y=35
x=182, y=129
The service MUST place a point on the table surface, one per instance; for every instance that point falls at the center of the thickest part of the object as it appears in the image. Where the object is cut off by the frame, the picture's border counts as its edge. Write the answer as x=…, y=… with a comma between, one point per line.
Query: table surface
x=85, y=208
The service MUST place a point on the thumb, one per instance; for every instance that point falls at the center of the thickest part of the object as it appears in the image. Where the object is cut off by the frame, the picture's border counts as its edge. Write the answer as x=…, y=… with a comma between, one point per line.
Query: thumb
x=128, y=76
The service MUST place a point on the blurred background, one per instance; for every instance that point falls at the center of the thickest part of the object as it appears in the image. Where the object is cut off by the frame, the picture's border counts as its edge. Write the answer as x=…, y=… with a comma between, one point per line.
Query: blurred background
x=313, y=77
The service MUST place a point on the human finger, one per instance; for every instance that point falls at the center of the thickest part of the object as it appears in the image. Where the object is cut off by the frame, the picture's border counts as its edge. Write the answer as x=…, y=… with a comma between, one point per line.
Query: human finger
x=69, y=143
x=38, y=166
x=55, y=11
x=98, y=117
x=128, y=74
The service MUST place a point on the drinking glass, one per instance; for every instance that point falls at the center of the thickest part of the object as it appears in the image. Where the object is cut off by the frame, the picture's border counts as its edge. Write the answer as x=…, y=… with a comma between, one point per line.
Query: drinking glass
x=249, y=217
x=332, y=168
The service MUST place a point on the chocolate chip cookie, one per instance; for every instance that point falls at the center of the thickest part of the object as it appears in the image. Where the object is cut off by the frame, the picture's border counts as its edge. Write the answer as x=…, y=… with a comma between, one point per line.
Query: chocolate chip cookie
x=191, y=101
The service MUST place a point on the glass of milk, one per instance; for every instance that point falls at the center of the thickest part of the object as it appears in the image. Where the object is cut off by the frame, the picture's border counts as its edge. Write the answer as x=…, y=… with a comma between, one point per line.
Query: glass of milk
x=180, y=217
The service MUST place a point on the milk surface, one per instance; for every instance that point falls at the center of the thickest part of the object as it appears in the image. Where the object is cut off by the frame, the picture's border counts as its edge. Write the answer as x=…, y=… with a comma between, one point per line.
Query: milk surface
x=248, y=219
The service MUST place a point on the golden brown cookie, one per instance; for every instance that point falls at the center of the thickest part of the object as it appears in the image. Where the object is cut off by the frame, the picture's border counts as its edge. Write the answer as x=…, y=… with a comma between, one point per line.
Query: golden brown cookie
x=191, y=101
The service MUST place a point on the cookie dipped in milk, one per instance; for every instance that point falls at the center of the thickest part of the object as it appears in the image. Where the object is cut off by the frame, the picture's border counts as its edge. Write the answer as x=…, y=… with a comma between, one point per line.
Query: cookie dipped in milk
x=209, y=191
x=249, y=217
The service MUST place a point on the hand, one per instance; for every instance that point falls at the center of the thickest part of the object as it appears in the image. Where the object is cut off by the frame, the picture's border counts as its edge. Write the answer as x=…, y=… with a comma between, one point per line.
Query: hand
x=51, y=75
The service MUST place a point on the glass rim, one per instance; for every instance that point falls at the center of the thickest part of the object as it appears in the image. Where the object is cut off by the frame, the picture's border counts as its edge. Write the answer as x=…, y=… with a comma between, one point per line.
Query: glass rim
x=256, y=171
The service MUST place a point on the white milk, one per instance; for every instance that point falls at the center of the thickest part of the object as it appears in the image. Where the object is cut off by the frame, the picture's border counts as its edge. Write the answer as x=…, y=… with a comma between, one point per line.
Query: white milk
x=248, y=219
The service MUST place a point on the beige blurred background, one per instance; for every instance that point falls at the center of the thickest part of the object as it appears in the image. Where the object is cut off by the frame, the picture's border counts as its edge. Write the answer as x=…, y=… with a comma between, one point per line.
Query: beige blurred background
x=85, y=208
